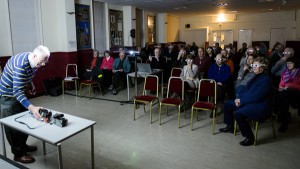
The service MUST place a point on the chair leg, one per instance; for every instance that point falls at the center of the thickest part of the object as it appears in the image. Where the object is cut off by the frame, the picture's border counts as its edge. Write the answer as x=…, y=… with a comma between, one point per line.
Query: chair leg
x=100, y=88
x=192, y=115
x=90, y=91
x=134, y=107
x=80, y=88
x=144, y=108
x=213, y=125
x=197, y=115
x=150, y=113
x=159, y=116
x=76, y=87
x=179, y=116
x=235, y=126
x=63, y=87
x=256, y=131
x=273, y=126
x=167, y=110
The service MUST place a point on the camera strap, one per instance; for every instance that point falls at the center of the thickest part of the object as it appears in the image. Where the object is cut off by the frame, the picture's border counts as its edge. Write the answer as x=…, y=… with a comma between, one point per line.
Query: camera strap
x=21, y=122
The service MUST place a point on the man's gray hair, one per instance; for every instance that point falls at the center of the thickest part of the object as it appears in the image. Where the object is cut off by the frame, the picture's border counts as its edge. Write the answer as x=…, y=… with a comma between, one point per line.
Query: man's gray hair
x=41, y=51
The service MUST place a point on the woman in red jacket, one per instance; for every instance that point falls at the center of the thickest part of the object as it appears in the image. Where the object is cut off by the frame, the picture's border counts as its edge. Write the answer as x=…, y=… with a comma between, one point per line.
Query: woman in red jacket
x=289, y=92
x=106, y=67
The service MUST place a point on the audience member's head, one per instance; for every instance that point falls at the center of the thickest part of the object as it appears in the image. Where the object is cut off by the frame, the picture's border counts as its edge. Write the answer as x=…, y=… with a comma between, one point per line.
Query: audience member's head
x=219, y=59
x=106, y=53
x=224, y=53
x=209, y=50
x=288, y=52
x=189, y=59
x=292, y=63
x=251, y=51
x=157, y=52
x=250, y=60
x=200, y=52
x=244, y=45
x=259, y=65
x=122, y=54
x=280, y=47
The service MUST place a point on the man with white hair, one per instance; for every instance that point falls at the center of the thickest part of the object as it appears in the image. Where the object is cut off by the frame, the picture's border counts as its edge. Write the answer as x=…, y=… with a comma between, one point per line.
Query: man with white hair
x=17, y=76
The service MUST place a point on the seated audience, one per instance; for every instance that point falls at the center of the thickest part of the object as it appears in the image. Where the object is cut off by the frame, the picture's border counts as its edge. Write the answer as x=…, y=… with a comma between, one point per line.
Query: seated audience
x=93, y=68
x=289, y=92
x=220, y=72
x=203, y=62
x=253, y=102
x=121, y=67
x=106, y=67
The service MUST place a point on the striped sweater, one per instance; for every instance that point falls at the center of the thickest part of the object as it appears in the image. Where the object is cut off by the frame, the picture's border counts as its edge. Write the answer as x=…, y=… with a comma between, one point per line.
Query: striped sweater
x=17, y=75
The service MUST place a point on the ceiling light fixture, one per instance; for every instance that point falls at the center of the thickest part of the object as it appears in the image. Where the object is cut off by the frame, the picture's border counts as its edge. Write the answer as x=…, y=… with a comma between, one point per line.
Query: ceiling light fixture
x=219, y=4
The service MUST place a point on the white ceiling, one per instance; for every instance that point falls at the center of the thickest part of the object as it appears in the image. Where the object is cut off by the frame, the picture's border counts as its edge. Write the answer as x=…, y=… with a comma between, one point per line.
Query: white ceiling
x=208, y=7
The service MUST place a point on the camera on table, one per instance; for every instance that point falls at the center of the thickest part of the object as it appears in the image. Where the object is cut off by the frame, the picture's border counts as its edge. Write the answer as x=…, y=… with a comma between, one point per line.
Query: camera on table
x=59, y=120
x=46, y=115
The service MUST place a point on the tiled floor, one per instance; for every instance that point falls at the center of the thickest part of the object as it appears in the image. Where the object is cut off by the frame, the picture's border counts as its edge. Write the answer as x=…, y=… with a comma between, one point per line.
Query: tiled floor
x=121, y=143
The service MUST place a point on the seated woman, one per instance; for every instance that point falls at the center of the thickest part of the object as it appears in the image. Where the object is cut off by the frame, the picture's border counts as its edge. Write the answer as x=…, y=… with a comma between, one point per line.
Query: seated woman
x=253, y=102
x=289, y=92
x=190, y=76
x=157, y=62
x=210, y=54
x=180, y=62
x=93, y=69
x=106, y=67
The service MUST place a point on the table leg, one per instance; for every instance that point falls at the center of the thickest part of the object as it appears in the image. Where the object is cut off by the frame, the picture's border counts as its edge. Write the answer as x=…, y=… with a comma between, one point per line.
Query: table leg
x=162, y=84
x=3, y=140
x=44, y=148
x=127, y=87
x=60, y=163
x=92, y=147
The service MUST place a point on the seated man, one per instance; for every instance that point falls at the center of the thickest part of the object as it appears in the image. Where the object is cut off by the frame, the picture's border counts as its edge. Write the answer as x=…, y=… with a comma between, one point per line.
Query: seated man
x=120, y=68
x=203, y=62
x=93, y=69
x=220, y=72
x=253, y=102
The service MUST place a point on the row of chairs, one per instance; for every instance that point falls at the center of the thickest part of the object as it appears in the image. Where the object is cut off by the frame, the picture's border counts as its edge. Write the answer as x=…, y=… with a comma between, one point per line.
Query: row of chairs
x=206, y=100
x=207, y=90
x=72, y=77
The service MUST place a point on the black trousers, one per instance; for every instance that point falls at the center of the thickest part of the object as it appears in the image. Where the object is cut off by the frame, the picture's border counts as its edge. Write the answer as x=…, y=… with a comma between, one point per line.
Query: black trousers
x=10, y=106
x=285, y=98
x=118, y=76
x=231, y=112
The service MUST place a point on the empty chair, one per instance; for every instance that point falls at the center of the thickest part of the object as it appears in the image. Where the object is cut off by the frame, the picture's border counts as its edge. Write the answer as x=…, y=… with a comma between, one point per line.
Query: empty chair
x=175, y=85
x=207, y=89
x=71, y=76
x=151, y=84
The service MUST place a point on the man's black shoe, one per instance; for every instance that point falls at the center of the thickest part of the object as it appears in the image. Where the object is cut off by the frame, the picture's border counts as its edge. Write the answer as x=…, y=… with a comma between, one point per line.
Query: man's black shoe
x=247, y=142
x=115, y=92
x=227, y=129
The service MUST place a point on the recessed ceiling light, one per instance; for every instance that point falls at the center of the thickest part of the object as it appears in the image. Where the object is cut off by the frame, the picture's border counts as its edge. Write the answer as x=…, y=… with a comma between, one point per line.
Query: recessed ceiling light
x=219, y=4
x=233, y=11
x=270, y=9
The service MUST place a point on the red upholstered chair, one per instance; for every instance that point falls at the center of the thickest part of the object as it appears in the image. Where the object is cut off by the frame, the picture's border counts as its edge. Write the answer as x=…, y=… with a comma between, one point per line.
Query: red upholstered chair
x=176, y=72
x=207, y=89
x=151, y=84
x=175, y=85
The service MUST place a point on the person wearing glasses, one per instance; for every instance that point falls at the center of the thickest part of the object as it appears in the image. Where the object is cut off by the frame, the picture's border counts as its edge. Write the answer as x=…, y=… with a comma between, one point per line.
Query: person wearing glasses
x=220, y=72
x=246, y=72
x=280, y=65
x=17, y=76
x=289, y=92
x=210, y=54
x=190, y=73
x=181, y=58
x=253, y=102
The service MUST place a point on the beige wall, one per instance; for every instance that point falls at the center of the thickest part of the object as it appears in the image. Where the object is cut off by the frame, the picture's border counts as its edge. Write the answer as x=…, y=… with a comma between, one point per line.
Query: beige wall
x=172, y=28
x=260, y=23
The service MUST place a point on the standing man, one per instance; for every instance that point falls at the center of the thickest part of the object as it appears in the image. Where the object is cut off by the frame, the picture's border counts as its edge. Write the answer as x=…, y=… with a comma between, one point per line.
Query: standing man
x=17, y=76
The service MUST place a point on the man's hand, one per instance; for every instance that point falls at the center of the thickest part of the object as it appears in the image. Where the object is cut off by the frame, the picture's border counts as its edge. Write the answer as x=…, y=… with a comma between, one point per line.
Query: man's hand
x=121, y=70
x=150, y=58
x=35, y=111
x=219, y=83
x=237, y=102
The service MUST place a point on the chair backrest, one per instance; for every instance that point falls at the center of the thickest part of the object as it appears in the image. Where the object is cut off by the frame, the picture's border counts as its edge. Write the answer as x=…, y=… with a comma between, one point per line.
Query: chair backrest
x=151, y=83
x=176, y=72
x=176, y=85
x=207, y=88
x=71, y=70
